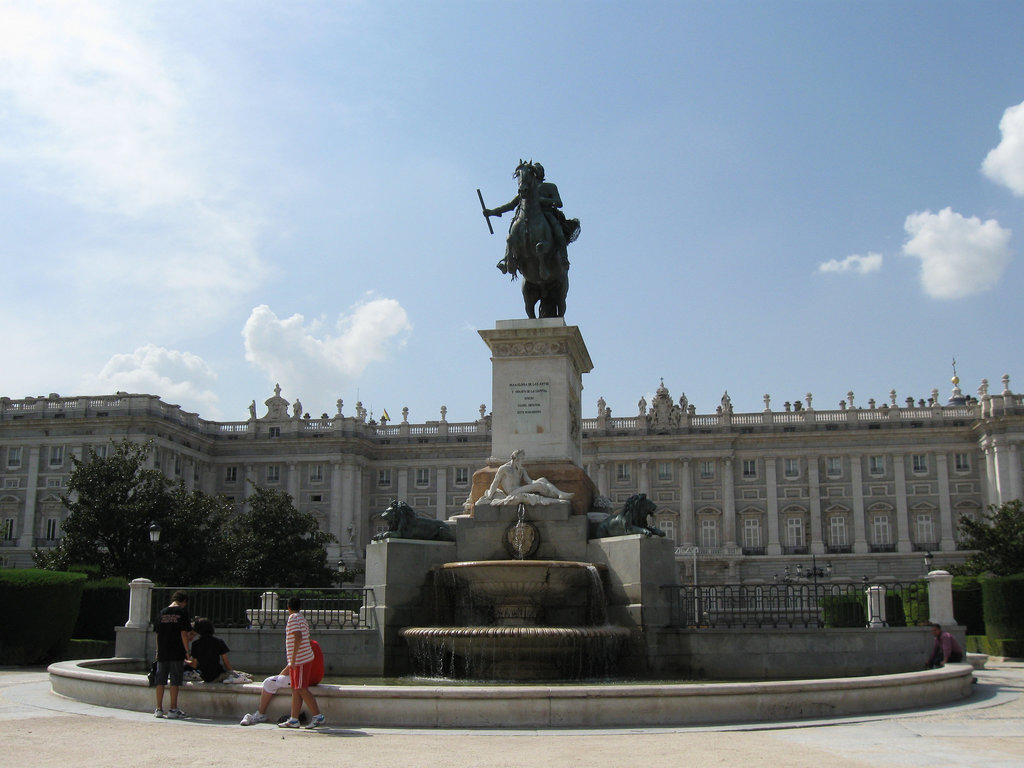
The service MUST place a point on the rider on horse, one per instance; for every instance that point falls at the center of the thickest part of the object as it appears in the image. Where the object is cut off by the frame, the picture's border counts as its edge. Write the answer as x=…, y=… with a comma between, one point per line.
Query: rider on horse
x=564, y=230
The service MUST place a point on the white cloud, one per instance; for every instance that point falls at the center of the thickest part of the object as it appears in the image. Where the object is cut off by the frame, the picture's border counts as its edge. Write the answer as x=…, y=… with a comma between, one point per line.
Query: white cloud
x=316, y=362
x=959, y=256
x=1005, y=164
x=96, y=111
x=177, y=377
x=861, y=265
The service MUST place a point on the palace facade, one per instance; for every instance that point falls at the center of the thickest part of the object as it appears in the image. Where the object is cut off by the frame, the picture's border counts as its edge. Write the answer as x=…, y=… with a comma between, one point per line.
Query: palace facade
x=746, y=497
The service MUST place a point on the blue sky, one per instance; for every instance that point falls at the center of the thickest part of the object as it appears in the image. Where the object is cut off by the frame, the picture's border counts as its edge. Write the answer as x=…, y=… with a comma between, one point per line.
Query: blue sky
x=201, y=199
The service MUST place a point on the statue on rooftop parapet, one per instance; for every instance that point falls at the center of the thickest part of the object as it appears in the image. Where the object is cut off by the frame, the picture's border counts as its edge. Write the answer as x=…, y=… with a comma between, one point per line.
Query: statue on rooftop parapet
x=538, y=239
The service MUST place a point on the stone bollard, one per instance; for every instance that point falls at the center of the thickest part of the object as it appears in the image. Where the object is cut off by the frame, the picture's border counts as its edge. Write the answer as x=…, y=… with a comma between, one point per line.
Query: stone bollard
x=268, y=602
x=876, y=606
x=132, y=640
x=140, y=603
x=940, y=598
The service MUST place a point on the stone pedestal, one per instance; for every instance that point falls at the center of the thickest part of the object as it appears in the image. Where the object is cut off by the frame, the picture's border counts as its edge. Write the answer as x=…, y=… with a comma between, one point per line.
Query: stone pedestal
x=562, y=534
x=536, y=383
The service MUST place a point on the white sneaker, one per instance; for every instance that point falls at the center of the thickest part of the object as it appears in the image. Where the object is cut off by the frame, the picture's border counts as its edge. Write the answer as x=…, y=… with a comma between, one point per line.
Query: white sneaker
x=159, y=713
x=252, y=719
x=175, y=714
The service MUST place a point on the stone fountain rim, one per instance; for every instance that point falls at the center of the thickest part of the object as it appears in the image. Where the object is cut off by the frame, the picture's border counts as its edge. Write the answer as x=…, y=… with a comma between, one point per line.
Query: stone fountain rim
x=457, y=564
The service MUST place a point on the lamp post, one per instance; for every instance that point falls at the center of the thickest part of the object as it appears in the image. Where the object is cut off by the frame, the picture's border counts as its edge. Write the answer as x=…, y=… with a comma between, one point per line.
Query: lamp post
x=154, y=539
x=928, y=559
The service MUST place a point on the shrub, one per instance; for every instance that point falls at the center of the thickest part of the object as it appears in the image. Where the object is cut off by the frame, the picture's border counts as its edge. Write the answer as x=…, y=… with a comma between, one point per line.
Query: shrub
x=968, y=604
x=104, y=606
x=39, y=609
x=1003, y=599
x=843, y=611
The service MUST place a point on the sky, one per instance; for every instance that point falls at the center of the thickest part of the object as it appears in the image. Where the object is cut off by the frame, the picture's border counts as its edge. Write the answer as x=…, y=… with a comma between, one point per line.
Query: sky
x=200, y=200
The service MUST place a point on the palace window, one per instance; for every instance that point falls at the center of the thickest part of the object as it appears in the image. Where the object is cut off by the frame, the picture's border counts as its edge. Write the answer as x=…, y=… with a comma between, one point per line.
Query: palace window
x=751, y=533
x=664, y=470
x=837, y=536
x=422, y=477
x=316, y=473
x=669, y=527
x=708, y=533
x=794, y=532
x=275, y=431
x=791, y=467
x=383, y=478
x=834, y=466
x=622, y=473
x=962, y=462
x=876, y=465
x=56, y=455
x=462, y=475
x=13, y=458
x=274, y=474
x=51, y=528
x=707, y=470
x=230, y=474
x=177, y=466
x=100, y=451
x=750, y=468
x=7, y=529
x=920, y=463
x=925, y=528
x=880, y=532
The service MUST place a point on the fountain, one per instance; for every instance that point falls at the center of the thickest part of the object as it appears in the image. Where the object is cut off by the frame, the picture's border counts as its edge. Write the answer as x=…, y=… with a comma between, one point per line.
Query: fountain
x=519, y=620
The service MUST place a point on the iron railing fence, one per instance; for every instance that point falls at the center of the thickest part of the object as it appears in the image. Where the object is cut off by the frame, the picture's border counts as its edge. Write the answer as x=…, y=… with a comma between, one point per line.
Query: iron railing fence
x=808, y=605
x=265, y=607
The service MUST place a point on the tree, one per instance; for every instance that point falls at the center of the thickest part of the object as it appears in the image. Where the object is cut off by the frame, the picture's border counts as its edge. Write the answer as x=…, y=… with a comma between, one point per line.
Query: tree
x=275, y=545
x=998, y=538
x=194, y=547
x=112, y=501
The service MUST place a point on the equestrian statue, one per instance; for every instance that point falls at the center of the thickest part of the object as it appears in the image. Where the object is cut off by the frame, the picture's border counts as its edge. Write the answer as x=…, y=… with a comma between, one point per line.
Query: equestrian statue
x=538, y=239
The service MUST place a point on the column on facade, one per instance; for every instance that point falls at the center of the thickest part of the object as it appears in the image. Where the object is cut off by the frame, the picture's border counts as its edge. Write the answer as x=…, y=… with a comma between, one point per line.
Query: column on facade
x=29, y=513
x=1001, y=460
x=356, y=520
x=441, y=502
x=351, y=501
x=188, y=471
x=601, y=477
x=334, y=513
x=814, y=504
x=860, y=539
x=902, y=517
x=293, y=480
x=644, y=480
x=249, y=482
x=813, y=489
x=1016, y=483
x=946, y=541
x=774, y=546
x=728, y=502
x=989, y=491
x=402, y=485
x=686, y=529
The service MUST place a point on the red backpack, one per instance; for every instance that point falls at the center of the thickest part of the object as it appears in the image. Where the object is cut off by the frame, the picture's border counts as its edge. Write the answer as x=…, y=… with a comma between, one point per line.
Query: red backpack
x=317, y=673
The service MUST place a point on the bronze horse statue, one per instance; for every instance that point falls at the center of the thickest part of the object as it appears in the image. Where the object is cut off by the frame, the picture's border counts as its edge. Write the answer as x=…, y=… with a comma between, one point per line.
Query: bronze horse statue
x=537, y=242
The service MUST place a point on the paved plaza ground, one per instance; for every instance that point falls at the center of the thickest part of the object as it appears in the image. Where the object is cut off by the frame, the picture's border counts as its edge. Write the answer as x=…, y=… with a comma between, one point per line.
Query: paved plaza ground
x=38, y=728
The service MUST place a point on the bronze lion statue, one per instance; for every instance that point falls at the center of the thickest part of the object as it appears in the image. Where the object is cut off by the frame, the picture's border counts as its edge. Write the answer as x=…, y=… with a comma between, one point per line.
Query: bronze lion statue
x=404, y=523
x=632, y=519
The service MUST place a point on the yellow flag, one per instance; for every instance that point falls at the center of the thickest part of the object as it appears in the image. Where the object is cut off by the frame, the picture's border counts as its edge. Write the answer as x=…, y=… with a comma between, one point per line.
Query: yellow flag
x=385, y=417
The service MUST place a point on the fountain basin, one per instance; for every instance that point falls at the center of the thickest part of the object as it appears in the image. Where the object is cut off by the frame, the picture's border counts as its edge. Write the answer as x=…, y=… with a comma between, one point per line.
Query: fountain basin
x=536, y=706
x=509, y=653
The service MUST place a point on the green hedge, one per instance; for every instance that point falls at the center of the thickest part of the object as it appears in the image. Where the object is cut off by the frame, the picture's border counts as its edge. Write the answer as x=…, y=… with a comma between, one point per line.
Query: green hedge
x=994, y=646
x=968, y=604
x=843, y=611
x=39, y=609
x=1003, y=598
x=907, y=607
x=104, y=606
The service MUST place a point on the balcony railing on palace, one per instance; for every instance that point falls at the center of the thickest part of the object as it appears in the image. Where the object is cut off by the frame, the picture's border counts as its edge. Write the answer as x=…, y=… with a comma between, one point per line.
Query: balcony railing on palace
x=265, y=607
x=807, y=605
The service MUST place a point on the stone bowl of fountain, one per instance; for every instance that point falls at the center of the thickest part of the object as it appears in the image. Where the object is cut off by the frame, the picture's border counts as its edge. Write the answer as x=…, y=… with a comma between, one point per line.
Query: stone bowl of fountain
x=518, y=620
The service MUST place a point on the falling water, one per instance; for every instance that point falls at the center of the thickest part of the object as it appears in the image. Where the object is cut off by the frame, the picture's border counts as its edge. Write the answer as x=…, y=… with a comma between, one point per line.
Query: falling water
x=519, y=540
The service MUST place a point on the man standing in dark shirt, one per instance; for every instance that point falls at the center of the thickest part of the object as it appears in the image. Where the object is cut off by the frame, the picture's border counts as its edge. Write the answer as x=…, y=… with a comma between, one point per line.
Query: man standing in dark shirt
x=173, y=635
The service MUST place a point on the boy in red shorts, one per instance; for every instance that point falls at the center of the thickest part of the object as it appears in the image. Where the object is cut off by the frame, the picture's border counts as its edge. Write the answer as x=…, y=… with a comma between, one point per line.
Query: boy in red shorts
x=300, y=666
